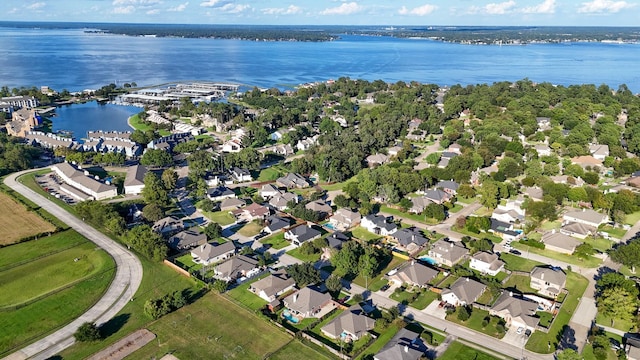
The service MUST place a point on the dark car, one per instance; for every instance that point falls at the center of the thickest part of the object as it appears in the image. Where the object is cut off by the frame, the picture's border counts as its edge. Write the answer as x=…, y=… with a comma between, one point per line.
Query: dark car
x=385, y=287
x=515, y=252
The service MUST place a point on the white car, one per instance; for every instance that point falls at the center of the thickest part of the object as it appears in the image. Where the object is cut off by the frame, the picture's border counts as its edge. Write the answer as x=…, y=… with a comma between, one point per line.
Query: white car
x=520, y=330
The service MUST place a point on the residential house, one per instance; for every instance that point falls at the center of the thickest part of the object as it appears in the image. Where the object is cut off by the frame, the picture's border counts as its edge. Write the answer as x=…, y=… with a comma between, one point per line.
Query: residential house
x=419, y=204
x=186, y=239
x=305, y=144
x=586, y=216
x=447, y=253
x=275, y=223
x=587, y=161
x=134, y=180
x=168, y=225
x=455, y=148
x=232, y=146
x=237, y=268
x=272, y=286
x=409, y=240
x=464, y=291
x=548, y=281
x=268, y=191
x=543, y=150
x=565, y=179
x=405, y=345
x=301, y=234
x=414, y=274
x=504, y=230
x=49, y=140
x=280, y=201
x=448, y=186
x=232, y=204
x=377, y=159
x=344, y=219
x=22, y=121
x=340, y=120
x=511, y=213
x=378, y=224
x=516, y=311
x=559, y=242
x=207, y=254
x=320, y=207
x=350, y=326
x=437, y=196
x=283, y=149
x=82, y=182
x=240, y=174
x=308, y=302
x=578, y=230
x=170, y=141
x=220, y=193
x=213, y=180
x=394, y=150
x=336, y=240
x=251, y=212
x=544, y=123
x=486, y=263
x=632, y=346
x=292, y=181
x=599, y=152
x=534, y=193
x=445, y=157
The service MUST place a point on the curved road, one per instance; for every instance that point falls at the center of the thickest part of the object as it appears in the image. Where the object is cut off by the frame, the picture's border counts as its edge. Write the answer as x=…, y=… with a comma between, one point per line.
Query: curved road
x=120, y=292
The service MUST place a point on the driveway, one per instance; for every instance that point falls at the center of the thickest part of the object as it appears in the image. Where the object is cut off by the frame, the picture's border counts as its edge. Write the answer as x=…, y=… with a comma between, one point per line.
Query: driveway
x=122, y=289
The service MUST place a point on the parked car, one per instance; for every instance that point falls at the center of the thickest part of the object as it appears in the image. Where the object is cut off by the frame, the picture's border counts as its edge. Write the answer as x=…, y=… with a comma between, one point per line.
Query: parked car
x=520, y=330
x=515, y=252
x=385, y=287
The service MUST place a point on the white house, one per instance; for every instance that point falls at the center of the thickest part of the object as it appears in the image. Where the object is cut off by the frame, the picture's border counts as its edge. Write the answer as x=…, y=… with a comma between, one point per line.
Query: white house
x=586, y=216
x=486, y=263
x=378, y=224
x=134, y=180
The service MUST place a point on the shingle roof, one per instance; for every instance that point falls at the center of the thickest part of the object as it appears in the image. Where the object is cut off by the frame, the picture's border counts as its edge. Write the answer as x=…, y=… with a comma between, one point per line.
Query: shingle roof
x=274, y=283
x=517, y=308
x=555, y=277
x=466, y=289
x=352, y=321
x=405, y=345
x=417, y=273
x=304, y=233
x=135, y=175
x=560, y=240
x=208, y=251
x=306, y=300
x=236, y=266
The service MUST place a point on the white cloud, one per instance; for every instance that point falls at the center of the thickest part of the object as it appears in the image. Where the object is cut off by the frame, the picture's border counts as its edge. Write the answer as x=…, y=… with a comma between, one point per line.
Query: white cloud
x=124, y=9
x=212, y=3
x=546, y=7
x=234, y=8
x=291, y=10
x=179, y=8
x=344, y=9
x=136, y=2
x=419, y=11
x=35, y=6
x=13, y=11
x=604, y=6
x=493, y=8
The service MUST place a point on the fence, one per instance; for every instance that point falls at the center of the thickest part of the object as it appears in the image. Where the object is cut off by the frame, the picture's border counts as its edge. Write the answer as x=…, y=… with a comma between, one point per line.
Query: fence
x=177, y=268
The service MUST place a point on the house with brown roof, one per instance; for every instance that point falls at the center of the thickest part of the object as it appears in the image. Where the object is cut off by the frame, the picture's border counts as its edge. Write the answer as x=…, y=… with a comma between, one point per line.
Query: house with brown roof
x=251, y=212
x=548, y=281
x=272, y=286
x=447, y=253
x=486, y=263
x=414, y=274
x=377, y=159
x=320, y=207
x=578, y=230
x=344, y=219
x=587, y=161
x=308, y=302
x=516, y=311
x=464, y=291
x=349, y=326
x=559, y=242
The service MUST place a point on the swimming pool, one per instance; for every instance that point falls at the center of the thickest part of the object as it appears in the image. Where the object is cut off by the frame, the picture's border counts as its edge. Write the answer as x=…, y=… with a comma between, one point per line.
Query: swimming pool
x=329, y=226
x=428, y=260
x=287, y=315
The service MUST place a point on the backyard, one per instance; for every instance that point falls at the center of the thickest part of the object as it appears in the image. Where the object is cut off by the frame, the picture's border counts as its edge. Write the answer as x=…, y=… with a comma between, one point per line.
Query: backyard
x=459, y=351
x=296, y=350
x=250, y=229
x=298, y=254
x=519, y=283
x=245, y=297
x=378, y=281
x=424, y=298
x=223, y=218
x=517, y=263
x=364, y=234
x=589, y=262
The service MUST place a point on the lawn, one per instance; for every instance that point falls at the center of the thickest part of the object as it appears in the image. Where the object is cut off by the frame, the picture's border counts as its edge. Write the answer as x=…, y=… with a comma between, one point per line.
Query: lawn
x=459, y=351
x=214, y=326
x=186, y=262
x=455, y=208
x=18, y=222
x=590, y=262
x=297, y=350
x=545, y=318
x=42, y=276
x=297, y=253
x=276, y=241
x=517, y=263
x=250, y=229
x=157, y=280
x=599, y=243
x=380, y=342
x=617, y=324
x=633, y=218
x=19, y=253
x=448, y=281
x=376, y=283
x=242, y=295
x=221, y=217
x=364, y=234
x=475, y=322
x=423, y=300
x=538, y=341
x=550, y=225
x=520, y=283
x=615, y=232
x=270, y=174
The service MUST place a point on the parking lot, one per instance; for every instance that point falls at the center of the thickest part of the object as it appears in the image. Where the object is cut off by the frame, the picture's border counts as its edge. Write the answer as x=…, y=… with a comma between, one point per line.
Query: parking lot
x=51, y=184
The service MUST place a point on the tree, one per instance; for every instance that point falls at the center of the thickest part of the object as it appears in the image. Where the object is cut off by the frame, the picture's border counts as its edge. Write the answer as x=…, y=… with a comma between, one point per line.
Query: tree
x=435, y=211
x=169, y=179
x=87, y=332
x=220, y=286
x=463, y=313
x=346, y=260
x=466, y=191
x=147, y=242
x=627, y=254
x=568, y=354
x=213, y=230
x=152, y=212
x=583, y=251
x=617, y=280
x=154, y=192
x=304, y=274
x=341, y=201
x=489, y=195
x=334, y=283
x=156, y=157
x=617, y=304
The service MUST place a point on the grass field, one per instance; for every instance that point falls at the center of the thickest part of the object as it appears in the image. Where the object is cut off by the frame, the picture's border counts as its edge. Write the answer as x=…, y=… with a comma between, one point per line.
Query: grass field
x=242, y=295
x=276, y=241
x=589, y=262
x=364, y=234
x=137, y=124
x=270, y=174
x=250, y=229
x=475, y=322
x=517, y=263
x=297, y=253
x=216, y=327
x=38, y=283
x=520, y=283
x=17, y=222
x=221, y=217
x=459, y=351
x=37, y=278
x=296, y=350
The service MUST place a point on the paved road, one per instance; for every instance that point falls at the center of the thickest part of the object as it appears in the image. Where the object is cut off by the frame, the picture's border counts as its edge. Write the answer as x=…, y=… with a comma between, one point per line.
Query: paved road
x=120, y=292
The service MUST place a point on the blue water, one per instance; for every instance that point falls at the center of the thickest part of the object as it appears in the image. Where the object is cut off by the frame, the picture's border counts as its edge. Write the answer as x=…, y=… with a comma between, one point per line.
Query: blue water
x=74, y=60
x=287, y=315
x=329, y=226
x=428, y=260
x=91, y=116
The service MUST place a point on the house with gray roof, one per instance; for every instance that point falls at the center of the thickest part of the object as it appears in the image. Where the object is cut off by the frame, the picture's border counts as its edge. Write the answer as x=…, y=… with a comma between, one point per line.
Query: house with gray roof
x=292, y=181
x=486, y=263
x=186, y=239
x=410, y=239
x=516, y=311
x=220, y=193
x=81, y=181
x=237, y=268
x=308, y=302
x=344, y=219
x=599, y=151
x=415, y=274
x=280, y=201
x=504, y=230
x=168, y=225
x=232, y=204
x=447, y=253
x=134, y=180
x=559, y=242
x=418, y=204
x=272, y=286
x=274, y=223
x=240, y=174
x=378, y=225
x=405, y=345
x=534, y=193
x=464, y=291
x=578, y=230
x=320, y=207
x=377, y=159
x=268, y=191
x=207, y=254
x=301, y=233
x=448, y=186
x=586, y=217
x=336, y=240
x=437, y=196
x=351, y=325
x=548, y=281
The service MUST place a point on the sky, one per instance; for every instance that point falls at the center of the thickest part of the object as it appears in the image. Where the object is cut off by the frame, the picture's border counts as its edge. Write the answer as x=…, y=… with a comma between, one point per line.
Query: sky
x=331, y=12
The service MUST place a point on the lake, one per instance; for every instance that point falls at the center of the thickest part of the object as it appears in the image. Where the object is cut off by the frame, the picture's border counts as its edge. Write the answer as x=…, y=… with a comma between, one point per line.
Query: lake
x=90, y=116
